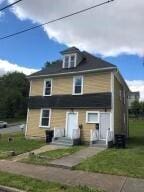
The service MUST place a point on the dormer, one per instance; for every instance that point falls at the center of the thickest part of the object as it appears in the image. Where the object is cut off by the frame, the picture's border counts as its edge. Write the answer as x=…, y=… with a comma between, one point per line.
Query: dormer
x=71, y=57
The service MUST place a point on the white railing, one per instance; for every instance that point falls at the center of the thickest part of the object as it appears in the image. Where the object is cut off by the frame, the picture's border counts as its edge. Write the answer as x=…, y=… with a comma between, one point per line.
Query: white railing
x=76, y=134
x=94, y=135
x=109, y=136
x=59, y=132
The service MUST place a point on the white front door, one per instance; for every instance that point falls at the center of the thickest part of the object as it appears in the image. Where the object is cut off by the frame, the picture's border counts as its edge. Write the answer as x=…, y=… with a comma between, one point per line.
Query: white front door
x=72, y=123
x=104, y=125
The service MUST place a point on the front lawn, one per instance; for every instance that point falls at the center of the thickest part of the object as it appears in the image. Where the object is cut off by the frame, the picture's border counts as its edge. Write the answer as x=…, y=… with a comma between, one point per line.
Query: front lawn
x=45, y=158
x=128, y=162
x=18, y=144
x=35, y=185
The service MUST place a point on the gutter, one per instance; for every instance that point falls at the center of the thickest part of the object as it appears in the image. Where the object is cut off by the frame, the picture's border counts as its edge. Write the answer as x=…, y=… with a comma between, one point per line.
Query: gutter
x=73, y=72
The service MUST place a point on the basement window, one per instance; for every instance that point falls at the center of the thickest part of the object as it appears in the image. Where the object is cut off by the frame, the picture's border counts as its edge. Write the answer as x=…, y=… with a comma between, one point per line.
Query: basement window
x=45, y=118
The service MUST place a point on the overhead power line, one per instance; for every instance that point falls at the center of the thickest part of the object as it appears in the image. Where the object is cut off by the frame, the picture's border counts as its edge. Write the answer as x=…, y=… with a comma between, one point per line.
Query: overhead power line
x=54, y=20
x=10, y=5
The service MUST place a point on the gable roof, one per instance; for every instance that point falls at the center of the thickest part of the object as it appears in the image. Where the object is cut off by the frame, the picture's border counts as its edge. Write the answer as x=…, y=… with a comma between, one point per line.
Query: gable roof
x=70, y=50
x=88, y=63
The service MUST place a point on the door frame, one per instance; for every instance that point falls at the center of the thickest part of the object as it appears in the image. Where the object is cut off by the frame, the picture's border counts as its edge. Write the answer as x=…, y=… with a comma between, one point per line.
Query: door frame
x=66, y=124
x=110, y=113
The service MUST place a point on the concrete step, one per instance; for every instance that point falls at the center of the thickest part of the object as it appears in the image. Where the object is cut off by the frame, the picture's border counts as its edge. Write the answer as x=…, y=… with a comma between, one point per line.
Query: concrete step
x=61, y=143
x=99, y=143
x=63, y=139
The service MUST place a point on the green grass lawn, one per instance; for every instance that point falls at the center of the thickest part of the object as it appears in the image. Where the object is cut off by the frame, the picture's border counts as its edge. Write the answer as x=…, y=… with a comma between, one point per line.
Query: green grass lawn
x=45, y=158
x=19, y=144
x=34, y=185
x=128, y=162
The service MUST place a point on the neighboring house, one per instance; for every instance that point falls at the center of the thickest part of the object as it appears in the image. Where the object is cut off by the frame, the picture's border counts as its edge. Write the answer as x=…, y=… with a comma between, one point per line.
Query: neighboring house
x=133, y=96
x=81, y=97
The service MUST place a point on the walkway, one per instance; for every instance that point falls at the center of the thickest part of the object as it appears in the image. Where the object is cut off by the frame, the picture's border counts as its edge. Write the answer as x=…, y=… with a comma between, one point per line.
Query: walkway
x=74, y=159
x=109, y=183
x=37, y=151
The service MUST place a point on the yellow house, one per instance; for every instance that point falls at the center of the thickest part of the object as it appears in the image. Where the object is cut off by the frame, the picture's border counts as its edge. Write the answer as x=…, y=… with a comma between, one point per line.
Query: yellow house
x=80, y=97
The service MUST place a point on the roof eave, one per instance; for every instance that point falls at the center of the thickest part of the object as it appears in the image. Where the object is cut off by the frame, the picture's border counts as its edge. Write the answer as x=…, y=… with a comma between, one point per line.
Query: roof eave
x=72, y=72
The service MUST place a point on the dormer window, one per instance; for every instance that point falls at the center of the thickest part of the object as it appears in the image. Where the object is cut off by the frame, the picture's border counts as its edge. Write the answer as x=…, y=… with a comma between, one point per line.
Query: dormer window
x=69, y=61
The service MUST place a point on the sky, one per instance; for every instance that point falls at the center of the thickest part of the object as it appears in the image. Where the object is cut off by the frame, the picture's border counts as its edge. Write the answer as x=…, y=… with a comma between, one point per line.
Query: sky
x=113, y=32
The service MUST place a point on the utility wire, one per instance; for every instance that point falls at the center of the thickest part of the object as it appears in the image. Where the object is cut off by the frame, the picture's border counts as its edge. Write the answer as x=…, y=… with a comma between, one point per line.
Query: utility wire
x=10, y=5
x=54, y=20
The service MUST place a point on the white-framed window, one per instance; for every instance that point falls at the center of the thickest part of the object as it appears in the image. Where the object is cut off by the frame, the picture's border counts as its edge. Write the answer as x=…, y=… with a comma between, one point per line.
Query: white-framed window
x=47, y=91
x=69, y=61
x=78, y=85
x=45, y=118
x=92, y=117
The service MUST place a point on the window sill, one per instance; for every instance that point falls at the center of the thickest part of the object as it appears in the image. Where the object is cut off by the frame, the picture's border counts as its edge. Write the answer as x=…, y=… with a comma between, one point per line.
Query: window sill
x=77, y=94
x=92, y=122
x=44, y=127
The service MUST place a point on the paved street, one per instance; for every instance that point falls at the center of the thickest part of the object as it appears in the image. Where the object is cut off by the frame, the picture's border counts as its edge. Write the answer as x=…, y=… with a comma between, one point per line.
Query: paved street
x=109, y=183
x=12, y=129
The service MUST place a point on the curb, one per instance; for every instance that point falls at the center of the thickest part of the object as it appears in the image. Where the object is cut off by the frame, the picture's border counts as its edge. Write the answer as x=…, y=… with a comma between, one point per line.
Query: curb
x=9, y=189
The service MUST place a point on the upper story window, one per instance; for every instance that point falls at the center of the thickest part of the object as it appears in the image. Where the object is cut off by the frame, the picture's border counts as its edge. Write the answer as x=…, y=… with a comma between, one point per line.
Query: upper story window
x=77, y=85
x=47, y=87
x=69, y=61
x=45, y=118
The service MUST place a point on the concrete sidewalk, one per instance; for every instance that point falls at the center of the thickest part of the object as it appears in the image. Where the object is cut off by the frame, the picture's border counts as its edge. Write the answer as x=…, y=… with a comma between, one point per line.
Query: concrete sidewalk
x=109, y=183
x=42, y=149
x=74, y=159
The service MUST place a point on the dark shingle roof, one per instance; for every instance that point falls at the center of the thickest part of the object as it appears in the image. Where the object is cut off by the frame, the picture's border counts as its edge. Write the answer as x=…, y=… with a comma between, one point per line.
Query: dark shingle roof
x=89, y=62
x=96, y=101
x=70, y=50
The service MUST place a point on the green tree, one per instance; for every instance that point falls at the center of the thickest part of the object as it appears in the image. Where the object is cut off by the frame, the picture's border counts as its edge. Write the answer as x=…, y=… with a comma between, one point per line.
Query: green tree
x=48, y=63
x=13, y=95
x=135, y=108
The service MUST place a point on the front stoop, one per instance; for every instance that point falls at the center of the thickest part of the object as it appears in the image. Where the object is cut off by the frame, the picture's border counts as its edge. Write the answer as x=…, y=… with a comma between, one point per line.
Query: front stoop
x=65, y=141
x=99, y=143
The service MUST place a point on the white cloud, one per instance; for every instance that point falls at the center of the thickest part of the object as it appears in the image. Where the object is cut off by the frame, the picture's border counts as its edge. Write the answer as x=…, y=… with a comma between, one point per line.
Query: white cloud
x=137, y=85
x=6, y=66
x=109, y=30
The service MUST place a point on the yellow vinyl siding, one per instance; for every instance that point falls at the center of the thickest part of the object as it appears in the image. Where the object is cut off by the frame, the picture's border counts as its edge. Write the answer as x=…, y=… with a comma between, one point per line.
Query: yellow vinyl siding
x=119, y=108
x=63, y=85
x=58, y=120
x=98, y=82
x=37, y=87
x=33, y=129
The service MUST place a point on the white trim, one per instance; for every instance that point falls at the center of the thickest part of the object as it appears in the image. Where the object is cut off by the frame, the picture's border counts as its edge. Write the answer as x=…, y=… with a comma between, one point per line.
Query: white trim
x=30, y=89
x=98, y=121
x=40, y=121
x=112, y=102
x=44, y=87
x=82, y=84
x=76, y=72
x=66, y=124
x=27, y=122
x=69, y=59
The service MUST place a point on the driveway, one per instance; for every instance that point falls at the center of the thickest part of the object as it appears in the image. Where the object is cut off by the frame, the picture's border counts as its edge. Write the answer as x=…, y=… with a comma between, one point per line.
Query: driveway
x=12, y=128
